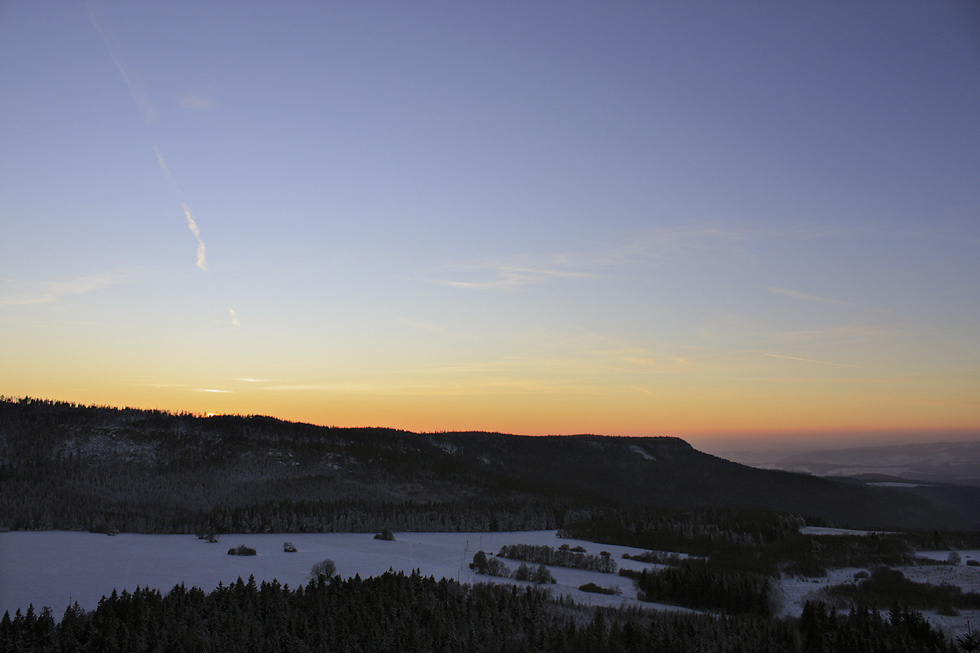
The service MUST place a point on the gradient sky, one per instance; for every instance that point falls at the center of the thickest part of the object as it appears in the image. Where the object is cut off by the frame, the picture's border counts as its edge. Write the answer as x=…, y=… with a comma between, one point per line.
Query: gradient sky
x=707, y=219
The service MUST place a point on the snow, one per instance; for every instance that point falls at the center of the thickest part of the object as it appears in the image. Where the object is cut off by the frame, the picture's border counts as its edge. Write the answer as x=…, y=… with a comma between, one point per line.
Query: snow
x=641, y=452
x=56, y=568
x=942, y=556
x=823, y=530
x=795, y=592
x=896, y=484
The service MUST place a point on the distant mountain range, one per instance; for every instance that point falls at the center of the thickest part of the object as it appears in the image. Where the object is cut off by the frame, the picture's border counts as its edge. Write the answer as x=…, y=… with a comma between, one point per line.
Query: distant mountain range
x=67, y=467
x=935, y=462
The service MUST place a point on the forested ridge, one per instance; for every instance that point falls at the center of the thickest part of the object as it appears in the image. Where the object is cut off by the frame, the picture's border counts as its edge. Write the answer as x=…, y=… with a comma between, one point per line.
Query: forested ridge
x=423, y=614
x=66, y=466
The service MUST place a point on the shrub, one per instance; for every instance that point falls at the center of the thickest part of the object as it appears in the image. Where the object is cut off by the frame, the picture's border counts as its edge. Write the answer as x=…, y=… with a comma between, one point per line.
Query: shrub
x=241, y=550
x=324, y=568
x=954, y=558
x=289, y=547
x=595, y=589
x=386, y=534
x=973, y=563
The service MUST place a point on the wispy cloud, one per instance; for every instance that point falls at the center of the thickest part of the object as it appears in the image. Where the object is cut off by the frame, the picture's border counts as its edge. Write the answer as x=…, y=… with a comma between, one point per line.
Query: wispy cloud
x=810, y=360
x=191, y=222
x=192, y=225
x=519, y=271
x=214, y=390
x=132, y=81
x=200, y=100
x=813, y=298
x=166, y=170
x=235, y=322
x=847, y=332
x=52, y=324
x=48, y=291
x=511, y=277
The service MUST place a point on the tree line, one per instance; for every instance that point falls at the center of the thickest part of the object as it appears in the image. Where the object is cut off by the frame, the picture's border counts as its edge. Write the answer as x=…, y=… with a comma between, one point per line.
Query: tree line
x=757, y=542
x=411, y=613
x=560, y=557
x=701, y=588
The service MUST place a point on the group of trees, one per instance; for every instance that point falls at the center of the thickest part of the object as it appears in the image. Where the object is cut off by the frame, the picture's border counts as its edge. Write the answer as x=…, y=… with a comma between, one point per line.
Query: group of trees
x=862, y=629
x=561, y=557
x=490, y=566
x=886, y=586
x=411, y=613
x=756, y=542
x=242, y=550
x=699, y=587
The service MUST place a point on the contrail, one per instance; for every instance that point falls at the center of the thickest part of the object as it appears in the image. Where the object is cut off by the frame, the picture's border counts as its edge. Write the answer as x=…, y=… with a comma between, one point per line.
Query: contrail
x=148, y=112
x=142, y=100
x=166, y=170
x=192, y=225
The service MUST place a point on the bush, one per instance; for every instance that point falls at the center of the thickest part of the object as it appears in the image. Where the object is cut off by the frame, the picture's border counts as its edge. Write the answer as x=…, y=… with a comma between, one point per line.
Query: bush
x=973, y=563
x=324, y=568
x=289, y=547
x=595, y=589
x=386, y=534
x=241, y=550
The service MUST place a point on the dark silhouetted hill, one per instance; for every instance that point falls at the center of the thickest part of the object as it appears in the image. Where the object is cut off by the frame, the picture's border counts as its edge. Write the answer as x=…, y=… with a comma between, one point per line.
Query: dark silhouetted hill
x=76, y=467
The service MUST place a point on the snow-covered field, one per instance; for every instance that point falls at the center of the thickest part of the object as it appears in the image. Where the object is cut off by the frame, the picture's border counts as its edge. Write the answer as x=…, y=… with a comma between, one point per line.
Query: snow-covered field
x=56, y=568
x=795, y=592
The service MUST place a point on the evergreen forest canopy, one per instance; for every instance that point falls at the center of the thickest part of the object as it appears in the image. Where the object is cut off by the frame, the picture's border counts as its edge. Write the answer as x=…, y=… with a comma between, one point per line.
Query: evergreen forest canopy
x=423, y=614
x=72, y=467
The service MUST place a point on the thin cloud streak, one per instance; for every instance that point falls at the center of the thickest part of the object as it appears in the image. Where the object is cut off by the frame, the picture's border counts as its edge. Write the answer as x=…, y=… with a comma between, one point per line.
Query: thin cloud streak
x=199, y=101
x=810, y=360
x=823, y=300
x=166, y=170
x=139, y=95
x=513, y=277
x=191, y=222
x=50, y=291
x=235, y=322
x=516, y=272
x=192, y=225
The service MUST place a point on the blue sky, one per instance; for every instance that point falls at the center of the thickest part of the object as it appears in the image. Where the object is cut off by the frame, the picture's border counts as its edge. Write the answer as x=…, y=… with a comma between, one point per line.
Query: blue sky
x=674, y=218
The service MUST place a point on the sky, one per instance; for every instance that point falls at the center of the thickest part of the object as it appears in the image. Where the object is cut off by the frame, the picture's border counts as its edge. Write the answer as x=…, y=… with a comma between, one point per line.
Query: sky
x=719, y=221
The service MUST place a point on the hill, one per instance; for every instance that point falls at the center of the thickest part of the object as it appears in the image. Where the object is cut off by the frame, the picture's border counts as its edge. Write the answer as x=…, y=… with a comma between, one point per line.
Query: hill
x=66, y=466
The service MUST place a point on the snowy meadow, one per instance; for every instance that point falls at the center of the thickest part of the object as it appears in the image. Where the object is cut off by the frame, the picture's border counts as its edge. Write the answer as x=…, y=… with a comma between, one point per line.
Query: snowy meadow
x=57, y=568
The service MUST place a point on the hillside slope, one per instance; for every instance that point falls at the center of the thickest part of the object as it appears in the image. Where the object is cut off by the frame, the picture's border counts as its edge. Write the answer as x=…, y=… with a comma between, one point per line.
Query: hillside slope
x=69, y=467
